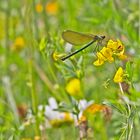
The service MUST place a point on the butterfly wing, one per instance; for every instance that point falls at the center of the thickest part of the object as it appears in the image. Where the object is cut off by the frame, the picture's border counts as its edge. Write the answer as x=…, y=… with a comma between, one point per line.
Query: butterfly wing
x=76, y=38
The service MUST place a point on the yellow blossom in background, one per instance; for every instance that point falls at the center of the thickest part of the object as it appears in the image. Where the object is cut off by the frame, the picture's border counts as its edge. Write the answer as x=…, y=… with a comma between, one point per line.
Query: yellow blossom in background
x=39, y=8
x=52, y=7
x=67, y=117
x=19, y=41
x=56, y=122
x=37, y=138
x=18, y=44
x=94, y=108
x=118, y=78
x=73, y=87
x=66, y=120
x=26, y=138
x=83, y=118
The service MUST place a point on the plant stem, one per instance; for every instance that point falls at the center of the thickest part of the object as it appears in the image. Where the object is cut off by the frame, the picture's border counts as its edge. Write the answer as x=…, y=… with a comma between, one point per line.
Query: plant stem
x=10, y=98
x=30, y=53
x=121, y=89
x=129, y=122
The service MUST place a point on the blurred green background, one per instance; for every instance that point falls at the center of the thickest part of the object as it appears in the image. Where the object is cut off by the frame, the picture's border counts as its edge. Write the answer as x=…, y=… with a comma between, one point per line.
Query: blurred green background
x=30, y=31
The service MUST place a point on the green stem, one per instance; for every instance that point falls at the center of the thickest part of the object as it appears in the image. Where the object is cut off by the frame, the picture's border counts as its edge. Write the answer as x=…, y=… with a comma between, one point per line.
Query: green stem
x=115, y=65
x=30, y=53
x=34, y=96
x=7, y=15
x=121, y=89
x=35, y=20
x=129, y=124
x=32, y=85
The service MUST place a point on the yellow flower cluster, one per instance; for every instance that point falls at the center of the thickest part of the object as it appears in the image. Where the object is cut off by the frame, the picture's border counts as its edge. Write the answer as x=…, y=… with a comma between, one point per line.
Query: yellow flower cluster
x=113, y=48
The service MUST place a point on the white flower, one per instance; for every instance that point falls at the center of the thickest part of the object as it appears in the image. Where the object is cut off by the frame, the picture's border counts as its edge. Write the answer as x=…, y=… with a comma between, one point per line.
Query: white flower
x=55, y=116
x=68, y=47
x=82, y=105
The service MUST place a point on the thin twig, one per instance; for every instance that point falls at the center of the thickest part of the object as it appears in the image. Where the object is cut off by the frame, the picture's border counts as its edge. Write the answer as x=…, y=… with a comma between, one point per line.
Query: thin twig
x=10, y=98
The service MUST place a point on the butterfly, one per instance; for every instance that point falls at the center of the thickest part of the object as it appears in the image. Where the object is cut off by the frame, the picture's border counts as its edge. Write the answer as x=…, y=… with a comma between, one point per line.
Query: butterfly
x=76, y=38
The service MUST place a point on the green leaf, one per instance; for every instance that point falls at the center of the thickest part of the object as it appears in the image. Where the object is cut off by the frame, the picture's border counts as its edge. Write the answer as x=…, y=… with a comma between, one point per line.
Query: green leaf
x=42, y=44
x=129, y=70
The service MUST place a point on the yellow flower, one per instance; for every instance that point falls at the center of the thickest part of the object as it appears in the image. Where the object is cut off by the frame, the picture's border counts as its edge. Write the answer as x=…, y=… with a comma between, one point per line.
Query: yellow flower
x=119, y=75
x=104, y=55
x=94, y=108
x=52, y=7
x=74, y=88
x=67, y=117
x=107, y=53
x=120, y=53
x=120, y=46
x=115, y=45
x=117, y=48
x=39, y=8
x=82, y=119
x=100, y=54
x=122, y=56
x=101, y=58
x=112, y=44
x=98, y=62
x=19, y=43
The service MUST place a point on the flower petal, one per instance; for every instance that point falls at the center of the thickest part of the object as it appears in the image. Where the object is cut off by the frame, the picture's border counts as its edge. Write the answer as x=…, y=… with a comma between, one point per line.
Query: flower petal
x=74, y=88
x=118, y=78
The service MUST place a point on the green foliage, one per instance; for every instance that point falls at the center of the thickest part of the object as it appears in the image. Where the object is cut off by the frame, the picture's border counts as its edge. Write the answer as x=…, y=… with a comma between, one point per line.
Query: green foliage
x=30, y=33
